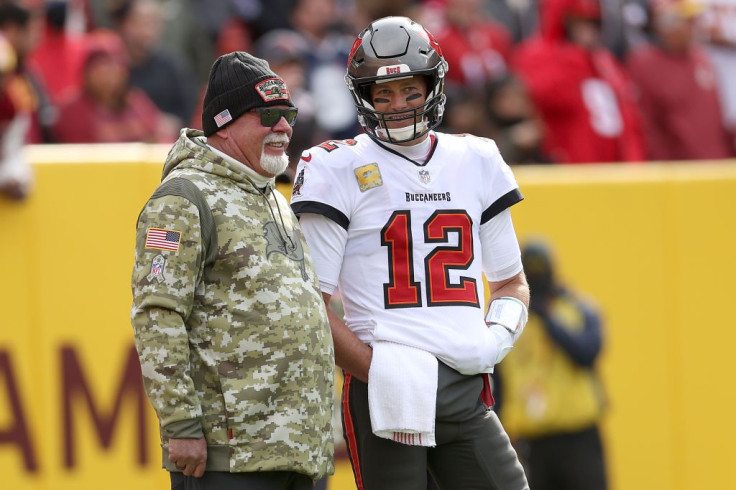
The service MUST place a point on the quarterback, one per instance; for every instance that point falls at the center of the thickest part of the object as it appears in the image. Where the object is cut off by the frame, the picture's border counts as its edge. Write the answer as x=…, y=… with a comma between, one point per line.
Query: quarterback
x=404, y=221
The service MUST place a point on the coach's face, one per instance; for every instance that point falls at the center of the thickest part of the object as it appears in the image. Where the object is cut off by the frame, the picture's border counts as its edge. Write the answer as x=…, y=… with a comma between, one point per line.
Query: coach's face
x=260, y=147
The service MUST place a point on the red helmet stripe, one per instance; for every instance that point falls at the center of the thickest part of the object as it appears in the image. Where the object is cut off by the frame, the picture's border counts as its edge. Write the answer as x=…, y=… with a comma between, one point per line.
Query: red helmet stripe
x=354, y=48
x=433, y=42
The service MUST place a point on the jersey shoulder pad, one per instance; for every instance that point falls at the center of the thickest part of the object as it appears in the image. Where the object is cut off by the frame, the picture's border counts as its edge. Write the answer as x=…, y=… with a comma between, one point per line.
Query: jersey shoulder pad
x=330, y=151
x=483, y=151
x=485, y=147
x=320, y=167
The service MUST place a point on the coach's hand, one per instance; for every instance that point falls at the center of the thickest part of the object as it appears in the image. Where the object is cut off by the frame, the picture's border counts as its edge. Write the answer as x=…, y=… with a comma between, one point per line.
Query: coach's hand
x=189, y=455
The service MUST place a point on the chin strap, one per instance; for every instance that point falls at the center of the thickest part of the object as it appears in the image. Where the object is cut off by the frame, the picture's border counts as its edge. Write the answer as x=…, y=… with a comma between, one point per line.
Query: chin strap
x=401, y=134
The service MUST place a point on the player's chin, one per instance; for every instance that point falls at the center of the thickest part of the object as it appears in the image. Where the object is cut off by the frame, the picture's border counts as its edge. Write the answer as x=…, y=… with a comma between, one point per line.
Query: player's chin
x=397, y=124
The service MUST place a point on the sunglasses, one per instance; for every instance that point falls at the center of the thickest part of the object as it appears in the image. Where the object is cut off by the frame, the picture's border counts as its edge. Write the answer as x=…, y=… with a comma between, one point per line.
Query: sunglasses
x=270, y=116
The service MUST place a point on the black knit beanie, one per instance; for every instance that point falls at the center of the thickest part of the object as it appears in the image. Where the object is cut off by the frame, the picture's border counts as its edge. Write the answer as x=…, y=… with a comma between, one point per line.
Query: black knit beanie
x=238, y=83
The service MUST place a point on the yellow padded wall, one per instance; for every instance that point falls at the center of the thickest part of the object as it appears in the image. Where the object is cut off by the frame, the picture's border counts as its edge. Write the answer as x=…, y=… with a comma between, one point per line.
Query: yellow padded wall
x=652, y=245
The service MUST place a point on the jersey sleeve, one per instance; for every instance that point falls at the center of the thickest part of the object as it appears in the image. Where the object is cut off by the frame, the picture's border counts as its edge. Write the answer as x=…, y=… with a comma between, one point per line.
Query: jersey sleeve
x=501, y=253
x=168, y=267
x=326, y=241
x=321, y=187
x=502, y=190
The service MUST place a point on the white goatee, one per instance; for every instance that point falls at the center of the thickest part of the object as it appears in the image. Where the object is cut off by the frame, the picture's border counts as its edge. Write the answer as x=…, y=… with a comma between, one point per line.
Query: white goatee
x=274, y=164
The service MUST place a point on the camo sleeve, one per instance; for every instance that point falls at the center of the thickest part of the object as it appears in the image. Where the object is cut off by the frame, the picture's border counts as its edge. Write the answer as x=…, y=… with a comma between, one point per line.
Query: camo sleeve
x=168, y=267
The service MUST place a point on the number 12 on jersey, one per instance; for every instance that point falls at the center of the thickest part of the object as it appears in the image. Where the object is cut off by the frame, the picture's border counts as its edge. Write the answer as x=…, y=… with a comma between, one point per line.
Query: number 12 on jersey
x=402, y=290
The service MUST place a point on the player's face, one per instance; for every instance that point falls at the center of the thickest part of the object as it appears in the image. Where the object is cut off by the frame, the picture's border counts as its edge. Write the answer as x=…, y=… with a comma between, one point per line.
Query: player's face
x=262, y=148
x=399, y=95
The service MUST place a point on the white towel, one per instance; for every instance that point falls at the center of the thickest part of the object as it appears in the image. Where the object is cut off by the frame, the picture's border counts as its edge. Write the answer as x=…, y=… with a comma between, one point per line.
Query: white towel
x=402, y=393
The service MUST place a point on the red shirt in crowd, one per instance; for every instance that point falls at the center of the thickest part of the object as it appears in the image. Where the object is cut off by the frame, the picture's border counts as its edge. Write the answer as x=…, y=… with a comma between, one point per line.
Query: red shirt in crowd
x=585, y=98
x=81, y=120
x=476, y=53
x=679, y=99
x=58, y=60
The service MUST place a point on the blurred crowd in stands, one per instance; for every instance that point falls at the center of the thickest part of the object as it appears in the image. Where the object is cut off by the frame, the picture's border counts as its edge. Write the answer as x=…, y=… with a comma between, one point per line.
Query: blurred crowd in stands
x=551, y=81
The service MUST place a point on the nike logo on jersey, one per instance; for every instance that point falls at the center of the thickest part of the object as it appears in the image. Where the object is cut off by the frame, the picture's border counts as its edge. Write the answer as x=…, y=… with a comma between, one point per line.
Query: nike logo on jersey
x=307, y=157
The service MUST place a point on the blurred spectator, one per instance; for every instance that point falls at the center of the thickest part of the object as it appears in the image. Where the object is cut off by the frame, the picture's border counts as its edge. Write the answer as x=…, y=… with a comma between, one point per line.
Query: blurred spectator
x=465, y=112
x=186, y=38
x=326, y=60
x=682, y=118
x=582, y=93
x=519, y=16
x=21, y=27
x=548, y=393
x=613, y=27
x=190, y=28
x=237, y=24
x=232, y=27
x=517, y=129
x=15, y=173
x=620, y=23
x=637, y=23
x=285, y=50
x=58, y=57
x=475, y=46
x=719, y=25
x=159, y=74
x=107, y=109
x=375, y=9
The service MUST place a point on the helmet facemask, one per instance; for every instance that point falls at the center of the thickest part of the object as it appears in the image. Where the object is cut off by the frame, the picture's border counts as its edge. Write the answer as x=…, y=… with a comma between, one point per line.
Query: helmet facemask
x=419, y=120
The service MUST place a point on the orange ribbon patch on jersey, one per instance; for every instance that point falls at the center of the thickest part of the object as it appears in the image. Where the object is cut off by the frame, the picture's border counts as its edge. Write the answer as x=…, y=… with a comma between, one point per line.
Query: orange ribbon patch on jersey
x=369, y=176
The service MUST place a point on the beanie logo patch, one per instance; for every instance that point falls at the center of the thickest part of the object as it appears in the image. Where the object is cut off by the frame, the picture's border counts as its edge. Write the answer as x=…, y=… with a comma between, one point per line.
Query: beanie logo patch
x=223, y=118
x=272, y=89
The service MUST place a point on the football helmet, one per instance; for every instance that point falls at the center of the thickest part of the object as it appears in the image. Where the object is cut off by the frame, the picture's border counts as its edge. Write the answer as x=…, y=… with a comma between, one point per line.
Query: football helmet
x=395, y=48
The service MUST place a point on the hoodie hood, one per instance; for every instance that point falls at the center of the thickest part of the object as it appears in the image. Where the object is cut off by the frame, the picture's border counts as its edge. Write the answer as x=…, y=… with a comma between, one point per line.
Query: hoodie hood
x=191, y=152
x=554, y=12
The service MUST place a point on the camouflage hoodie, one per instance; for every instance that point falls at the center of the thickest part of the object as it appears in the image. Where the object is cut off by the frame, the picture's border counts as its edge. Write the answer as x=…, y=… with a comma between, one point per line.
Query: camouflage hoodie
x=229, y=323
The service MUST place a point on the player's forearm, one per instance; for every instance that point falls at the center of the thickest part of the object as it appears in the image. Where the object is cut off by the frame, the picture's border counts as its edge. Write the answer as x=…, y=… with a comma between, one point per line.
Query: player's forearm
x=351, y=354
x=516, y=287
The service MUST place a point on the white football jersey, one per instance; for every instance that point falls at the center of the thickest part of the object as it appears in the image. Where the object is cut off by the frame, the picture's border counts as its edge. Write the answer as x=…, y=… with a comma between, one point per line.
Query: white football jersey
x=412, y=269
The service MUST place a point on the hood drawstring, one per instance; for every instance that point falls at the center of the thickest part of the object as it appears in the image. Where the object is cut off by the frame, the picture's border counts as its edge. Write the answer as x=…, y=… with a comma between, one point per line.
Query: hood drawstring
x=284, y=235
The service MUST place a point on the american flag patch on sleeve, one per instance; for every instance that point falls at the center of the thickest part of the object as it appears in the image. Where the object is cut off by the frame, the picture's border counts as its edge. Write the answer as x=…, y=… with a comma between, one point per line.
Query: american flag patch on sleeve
x=163, y=239
x=223, y=117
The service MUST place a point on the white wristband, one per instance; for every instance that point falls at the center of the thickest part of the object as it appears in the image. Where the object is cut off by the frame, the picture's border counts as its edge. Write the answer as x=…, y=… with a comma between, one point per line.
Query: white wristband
x=508, y=312
x=506, y=319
